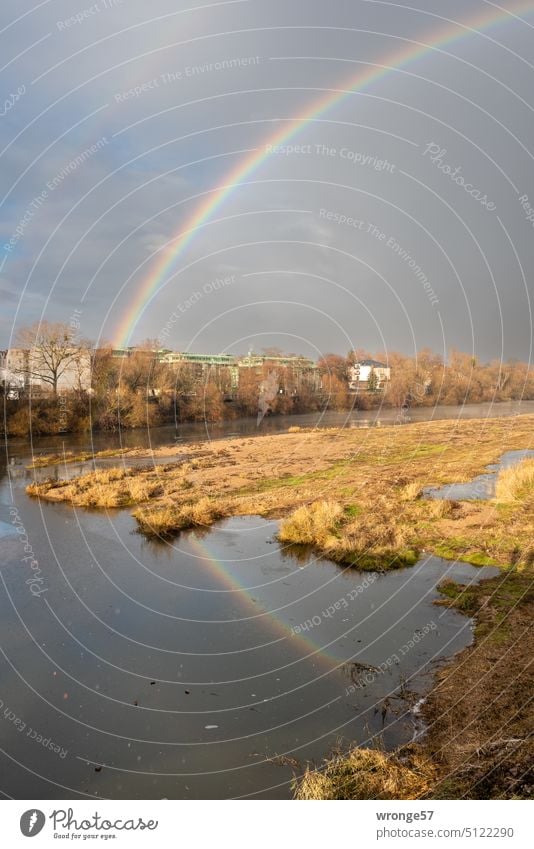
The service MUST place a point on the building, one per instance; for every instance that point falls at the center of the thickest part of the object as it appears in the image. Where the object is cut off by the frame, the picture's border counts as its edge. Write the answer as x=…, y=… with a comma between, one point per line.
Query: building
x=294, y=372
x=26, y=370
x=221, y=369
x=11, y=384
x=365, y=373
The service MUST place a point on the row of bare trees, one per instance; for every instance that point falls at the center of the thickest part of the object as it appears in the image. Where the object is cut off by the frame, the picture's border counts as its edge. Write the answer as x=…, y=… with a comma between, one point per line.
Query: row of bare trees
x=106, y=392
x=427, y=379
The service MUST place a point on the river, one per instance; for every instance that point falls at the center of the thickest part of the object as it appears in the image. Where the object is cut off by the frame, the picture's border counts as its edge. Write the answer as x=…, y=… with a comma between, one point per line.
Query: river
x=209, y=667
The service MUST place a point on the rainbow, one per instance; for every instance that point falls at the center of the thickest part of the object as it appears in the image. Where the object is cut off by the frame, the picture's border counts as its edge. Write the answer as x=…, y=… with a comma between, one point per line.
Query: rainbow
x=299, y=647
x=399, y=59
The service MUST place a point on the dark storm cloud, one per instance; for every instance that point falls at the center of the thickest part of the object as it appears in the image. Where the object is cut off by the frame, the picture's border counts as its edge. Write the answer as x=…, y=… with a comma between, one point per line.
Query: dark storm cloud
x=127, y=111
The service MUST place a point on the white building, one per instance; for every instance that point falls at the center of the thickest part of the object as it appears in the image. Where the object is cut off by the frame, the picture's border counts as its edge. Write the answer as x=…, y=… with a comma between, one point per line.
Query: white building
x=364, y=370
x=11, y=384
x=20, y=369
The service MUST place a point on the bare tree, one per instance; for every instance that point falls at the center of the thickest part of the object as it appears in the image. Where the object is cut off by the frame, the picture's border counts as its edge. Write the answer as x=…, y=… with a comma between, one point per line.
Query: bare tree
x=333, y=365
x=51, y=349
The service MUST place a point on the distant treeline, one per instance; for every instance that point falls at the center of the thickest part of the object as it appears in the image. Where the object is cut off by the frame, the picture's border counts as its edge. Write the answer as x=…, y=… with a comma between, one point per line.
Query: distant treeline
x=141, y=391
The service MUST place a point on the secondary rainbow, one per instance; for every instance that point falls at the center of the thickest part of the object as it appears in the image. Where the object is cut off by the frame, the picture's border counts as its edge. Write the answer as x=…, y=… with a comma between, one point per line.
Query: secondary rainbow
x=170, y=253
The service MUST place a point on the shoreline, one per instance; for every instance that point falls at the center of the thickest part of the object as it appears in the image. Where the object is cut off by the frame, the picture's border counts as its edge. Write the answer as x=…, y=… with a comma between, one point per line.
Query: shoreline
x=477, y=737
x=369, y=418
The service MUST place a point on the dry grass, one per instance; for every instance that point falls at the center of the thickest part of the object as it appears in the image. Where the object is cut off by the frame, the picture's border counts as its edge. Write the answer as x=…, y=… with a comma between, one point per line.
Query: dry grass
x=312, y=525
x=411, y=491
x=116, y=487
x=438, y=508
x=479, y=742
x=355, y=496
x=80, y=457
x=372, y=540
x=367, y=774
x=479, y=712
x=515, y=484
x=367, y=483
x=142, y=490
x=165, y=520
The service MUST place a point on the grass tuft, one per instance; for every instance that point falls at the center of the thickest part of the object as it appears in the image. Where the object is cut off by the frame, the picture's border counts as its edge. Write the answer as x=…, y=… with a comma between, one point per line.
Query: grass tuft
x=367, y=774
x=515, y=484
x=370, y=539
x=312, y=525
x=166, y=520
x=411, y=491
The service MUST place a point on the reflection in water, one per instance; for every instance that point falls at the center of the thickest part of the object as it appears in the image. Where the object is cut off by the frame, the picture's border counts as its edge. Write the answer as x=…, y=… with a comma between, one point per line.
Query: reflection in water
x=181, y=670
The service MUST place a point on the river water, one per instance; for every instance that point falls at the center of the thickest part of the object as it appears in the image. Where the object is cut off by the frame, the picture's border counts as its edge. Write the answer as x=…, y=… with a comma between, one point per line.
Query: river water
x=190, y=431
x=207, y=667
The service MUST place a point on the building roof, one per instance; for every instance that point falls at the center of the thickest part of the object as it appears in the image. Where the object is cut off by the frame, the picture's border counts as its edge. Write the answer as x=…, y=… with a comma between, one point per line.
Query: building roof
x=373, y=363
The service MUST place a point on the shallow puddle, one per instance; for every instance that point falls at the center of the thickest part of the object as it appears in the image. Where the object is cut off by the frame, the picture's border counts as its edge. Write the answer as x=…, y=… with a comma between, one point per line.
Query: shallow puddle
x=483, y=486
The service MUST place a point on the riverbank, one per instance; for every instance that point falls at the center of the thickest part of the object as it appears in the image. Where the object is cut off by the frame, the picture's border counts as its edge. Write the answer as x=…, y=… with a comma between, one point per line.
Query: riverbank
x=355, y=496
x=478, y=740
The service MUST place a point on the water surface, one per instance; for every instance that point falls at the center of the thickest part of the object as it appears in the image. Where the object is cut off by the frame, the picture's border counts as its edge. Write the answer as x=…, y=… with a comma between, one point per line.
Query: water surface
x=191, y=432
x=140, y=670
x=481, y=487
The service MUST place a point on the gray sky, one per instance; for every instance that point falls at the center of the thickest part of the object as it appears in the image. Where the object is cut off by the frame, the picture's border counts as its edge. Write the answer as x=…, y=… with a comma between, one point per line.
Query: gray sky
x=424, y=260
